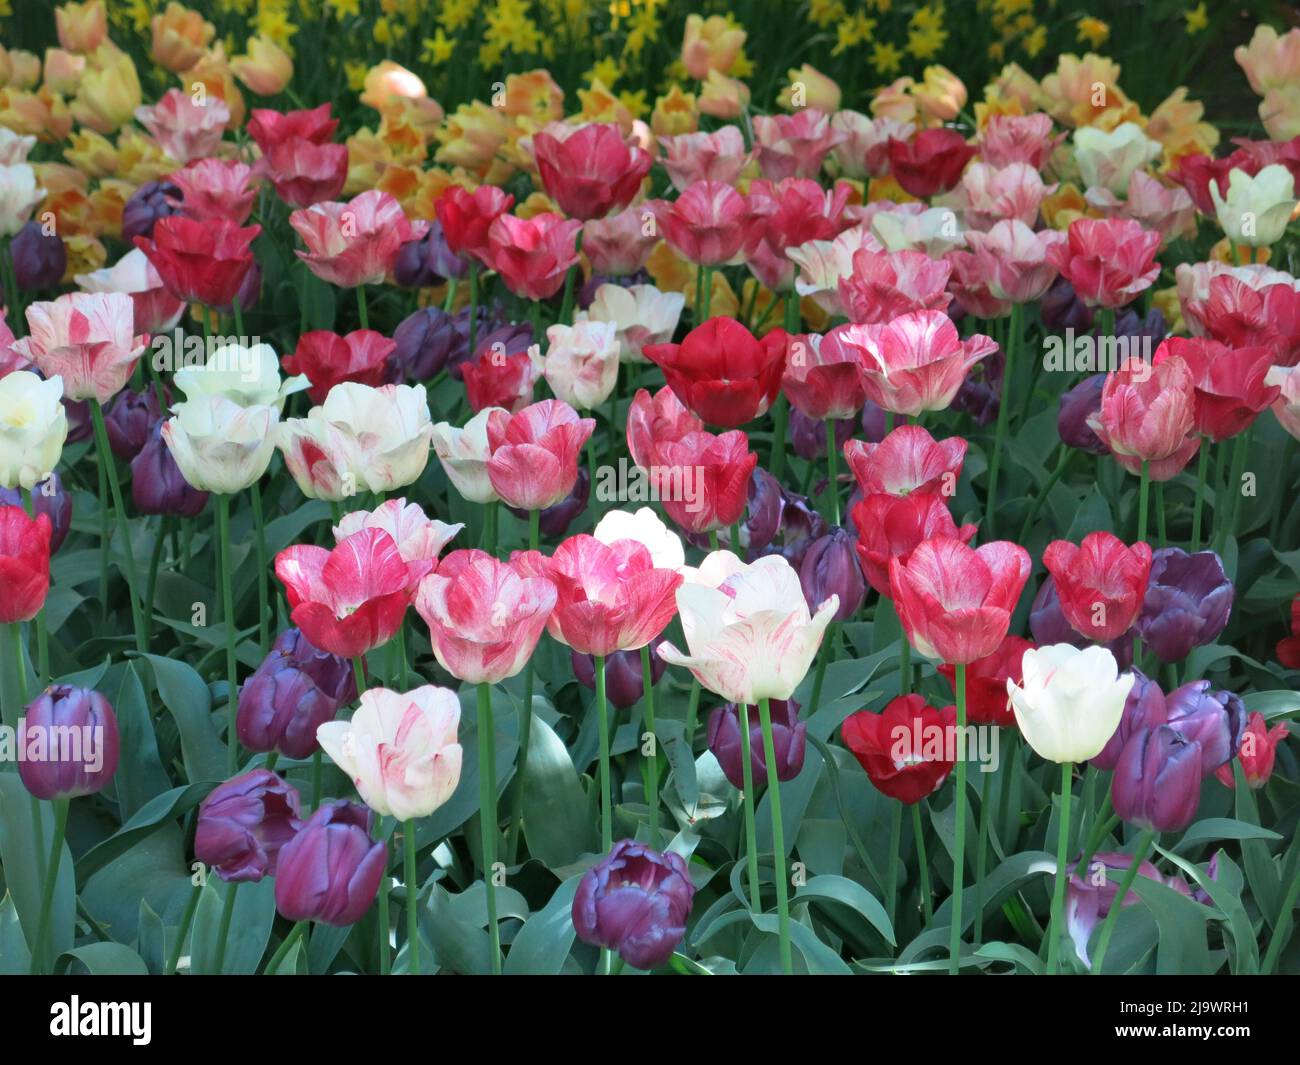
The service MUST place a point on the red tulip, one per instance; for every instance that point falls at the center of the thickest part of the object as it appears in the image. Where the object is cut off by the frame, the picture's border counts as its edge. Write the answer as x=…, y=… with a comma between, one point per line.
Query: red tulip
x=609, y=597
x=24, y=564
x=823, y=380
x=1147, y=414
x=907, y=749
x=328, y=359
x=306, y=173
x=1228, y=383
x=591, y=172
x=1288, y=649
x=533, y=255
x=652, y=421
x=353, y=243
x=987, y=702
x=269, y=128
x=1257, y=753
x=1264, y=311
x=1108, y=261
x=710, y=223
x=909, y=461
x=1100, y=582
x=721, y=372
x=955, y=602
x=892, y=527
x=200, y=262
x=352, y=599
x=702, y=480
x=534, y=461
x=466, y=217
x=795, y=211
x=497, y=380
x=931, y=162
x=884, y=285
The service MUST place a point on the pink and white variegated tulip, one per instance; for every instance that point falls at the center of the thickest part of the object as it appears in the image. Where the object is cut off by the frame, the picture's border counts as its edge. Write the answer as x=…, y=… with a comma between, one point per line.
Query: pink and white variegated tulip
x=718, y=156
x=752, y=637
x=88, y=339
x=1012, y=260
x=464, y=453
x=988, y=195
x=884, y=285
x=534, y=461
x=1287, y=405
x=354, y=243
x=794, y=145
x=1011, y=139
x=184, y=128
x=400, y=749
x=641, y=315
x=823, y=264
x=416, y=534
x=156, y=309
x=582, y=362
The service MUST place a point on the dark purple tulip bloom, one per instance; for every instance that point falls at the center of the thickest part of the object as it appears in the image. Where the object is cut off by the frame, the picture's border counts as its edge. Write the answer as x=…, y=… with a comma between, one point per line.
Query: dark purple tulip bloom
x=789, y=737
x=1153, y=327
x=427, y=261
x=875, y=422
x=505, y=338
x=807, y=436
x=761, y=523
x=80, y=426
x=424, y=341
x=296, y=688
x=1145, y=708
x=39, y=258
x=1048, y=625
x=1061, y=309
x=800, y=527
x=1157, y=782
x=244, y=823
x=1077, y=405
x=554, y=521
x=1216, y=719
x=50, y=498
x=157, y=486
x=1187, y=604
x=151, y=201
x=74, y=732
x=980, y=394
x=330, y=871
x=624, y=680
x=129, y=418
x=635, y=902
x=830, y=567
x=1090, y=893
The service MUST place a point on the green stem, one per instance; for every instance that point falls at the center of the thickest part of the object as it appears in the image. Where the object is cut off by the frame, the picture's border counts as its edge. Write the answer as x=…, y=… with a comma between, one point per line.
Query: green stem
x=413, y=895
x=652, y=790
x=282, y=951
x=223, y=929
x=707, y=293
x=473, y=308
x=832, y=470
x=891, y=870
x=487, y=815
x=1108, y=926
x=1202, y=465
x=606, y=799
x=38, y=622
x=263, y=571
x=228, y=617
x=187, y=919
x=959, y=843
x=40, y=963
x=1227, y=526
x=317, y=766
x=1036, y=504
x=362, y=313
x=981, y=848
x=1144, y=492
x=692, y=715
x=923, y=862
x=778, y=837
x=751, y=833
x=525, y=717
x=1004, y=404
x=570, y=279
x=105, y=454
x=1062, y=854
x=1281, y=928
x=13, y=680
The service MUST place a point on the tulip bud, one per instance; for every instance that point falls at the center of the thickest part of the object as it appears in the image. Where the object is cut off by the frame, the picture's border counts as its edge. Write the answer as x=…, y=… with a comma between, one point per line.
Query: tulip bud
x=74, y=730
x=129, y=419
x=1077, y=405
x=624, y=680
x=808, y=435
x=1215, y=719
x=1257, y=754
x=1188, y=600
x=330, y=871
x=157, y=485
x=244, y=822
x=50, y=498
x=1157, y=783
x=1061, y=309
x=39, y=258
x=296, y=689
x=980, y=394
x=1143, y=709
x=425, y=341
x=800, y=527
x=830, y=567
x=151, y=201
x=427, y=261
x=635, y=902
x=789, y=737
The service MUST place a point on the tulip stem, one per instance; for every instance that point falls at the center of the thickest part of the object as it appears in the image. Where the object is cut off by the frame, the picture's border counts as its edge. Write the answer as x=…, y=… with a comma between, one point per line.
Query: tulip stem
x=826, y=653
x=891, y=870
x=692, y=716
x=490, y=527
x=187, y=919
x=652, y=780
x=223, y=929
x=778, y=837
x=1202, y=464
x=1226, y=525
x=228, y=617
x=736, y=549
x=385, y=930
x=832, y=470
x=1036, y=504
x=525, y=711
x=570, y=278
x=606, y=799
x=751, y=833
x=959, y=843
x=359, y=672
x=1281, y=929
x=286, y=944
x=362, y=314
x=42, y=946
x=109, y=468
x=487, y=814
x=413, y=894
x=263, y=569
x=38, y=622
x=317, y=765
x=1108, y=926
x=473, y=307
x=1144, y=490
x=923, y=862
x=1004, y=404
x=13, y=679
x=102, y=496
x=981, y=847
x=1062, y=853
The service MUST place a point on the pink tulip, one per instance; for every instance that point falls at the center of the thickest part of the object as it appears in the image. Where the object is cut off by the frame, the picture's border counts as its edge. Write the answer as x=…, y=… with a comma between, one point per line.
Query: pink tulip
x=709, y=224
x=690, y=157
x=652, y=421
x=1014, y=260
x=533, y=255
x=864, y=151
x=702, y=480
x=1109, y=261
x=969, y=285
x=795, y=211
x=794, y=145
x=534, y=460
x=620, y=244
x=88, y=339
x=1011, y=139
x=418, y=537
x=1148, y=414
x=884, y=285
x=1167, y=210
x=988, y=195
x=184, y=128
x=213, y=188
x=909, y=461
x=156, y=309
x=590, y=172
x=823, y=380
x=353, y=243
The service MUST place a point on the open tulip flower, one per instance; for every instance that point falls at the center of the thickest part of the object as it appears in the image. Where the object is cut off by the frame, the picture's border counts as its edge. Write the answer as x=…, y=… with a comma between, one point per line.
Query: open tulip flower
x=200, y=261
x=86, y=338
x=534, y=461
x=354, y=243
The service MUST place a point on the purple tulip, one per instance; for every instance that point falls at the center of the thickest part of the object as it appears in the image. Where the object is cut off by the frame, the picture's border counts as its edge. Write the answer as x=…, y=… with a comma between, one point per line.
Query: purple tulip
x=151, y=201
x=1091, y=893
x=1061, y=309
x=80, y=425
x=830, y=567
x=1076, y=407
x=69, y=743
x=295, y=689
x=1143, y=709
x=807, y=436
x=586, y=295
x=1187, y=603
x=789, y=737
x=1048, y=625
x=1152, y=327
x=427, y=261
x=39, y=258
x=244, y=823
x=129, y=418
x=980, y=394
x=424, y=342
x=875, y=422
x=157, y=486
x=635, y=902
x=1157, y=781
x=624, y=680
x=1215, y=719
x=330, y=871
x=50, y=498
x=554, y=521
x=799, y=529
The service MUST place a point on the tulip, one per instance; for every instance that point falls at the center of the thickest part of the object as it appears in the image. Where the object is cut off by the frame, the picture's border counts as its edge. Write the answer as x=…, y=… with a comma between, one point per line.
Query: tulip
x=1070, y=702
x=425, y=341
x=85, y=338
x=129, y=419
x=989, y=195
x=718, y=156
x=185, y=128
x=220, y=446
x=1100, y=582
x=418, y=538
x=1144, y=708
x=1109, y=261
x=1147, y=418
x=327, y=359
x=1089, y=902
x=1229, y=384
x=906, y=749
x=331, y=870
x=1048, y=625
x=1256, y=210
x=908, y=461
x=709, y=223
x=1107, y=158
x=1215, y=719
x=81, y=27
x=355, y=243
x=1076, y=407
x=427, y=261
x=33, y=427
x=467, y=217
x=620, y=244
x=1061, y=308
x=533, y=255
x=824, y=264
x=534, y=454
x=640, y=314
x=1015, y=260
x=48, y=497
x=864, y=151
x=306, y=173
x=654, y=420
x=214, y=188
x=1261, y=310
x=794, y=212
x=497, y=379
x=970, y=286
x=1008, y=139
x=265, y=70
x=464, y=453
x=267, y=127
x=155, y=309
x=789, y=736
x=931, y=162
x=296, y=688
x=243, y=824
x=1258, y=752
x=582, y=362
x=892, y=527
x=830, y=568
x=721, y=372
x=635, y=901
x=39, y=259
x=179, y=37
x=590, y=172
x=148, y=205
x=624, y=678
x=200, y=262
x=807, y=436
x=71, y=743
x=1187, y=603
x=1157, y=783
x=987, y=702
x=19, y=193
x=703, y=480
x=1287, y=405
x=900, y=227
x=157, y=484
x=794, y=145
x=883, y=286
x=823, y=381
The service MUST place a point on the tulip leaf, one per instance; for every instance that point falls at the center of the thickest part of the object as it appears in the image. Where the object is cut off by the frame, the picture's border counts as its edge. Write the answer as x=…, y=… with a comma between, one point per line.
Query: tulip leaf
x=820, y=959
x=107, y=959
x=159, y=809
x=458, y=946
x=541, y=947
x=1238, y=928
x=26, y=837
x=845, y=892
x=1213, y=828
x=1182, y=948
x=15, y=958
x=140, y=775
x=1272, y=704
x=249, y=932
x=555, y=807
x=187, y=697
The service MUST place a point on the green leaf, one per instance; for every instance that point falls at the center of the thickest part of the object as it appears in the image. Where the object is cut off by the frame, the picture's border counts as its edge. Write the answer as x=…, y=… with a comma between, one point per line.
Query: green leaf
x=845, y=892
x=186, y=696
x=24, y=850
x=541, y=947
x=555, y=807
x=250, y=926
x=108, y=959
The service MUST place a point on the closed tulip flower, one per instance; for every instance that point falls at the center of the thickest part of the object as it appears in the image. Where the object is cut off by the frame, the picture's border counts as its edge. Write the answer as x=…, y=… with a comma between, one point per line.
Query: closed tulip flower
x=1256, y=210
x=185, y=128
x=1147, y=415
x=427, y=261
x=789, y=739
x=651, y=420
x=703, y=480
x=129, y=419
x=929, y=163
x=905, y=749
x=150, y=203
x=1230, y=387
x=534, y=461
x=590, y=172
x=582, y=362
x=306, y=173
x=327, y=359
x=1258, y=752
x=717, y=156
x=1187, y=603
x=709, y=224
x=200, y=262
x=823, y=380
x=1145, y=708
x=533, y=255
x=645, y=528
x=352, y=599
x=753, y=637
x=1100, y=581
x=24, y=564
x=1014, y=260
x=1077, y=405
x=220, y=446
x=892, y=527
x=87, y=339
x=217, y=188
x=60, y=716
x=157, y=484
x=793, y=146
x=1109, y=262
x=353, y=243
x=1216, y=719
x=268, y=127
x=620, y=244
x=296, y=688
x=243, y=823
x=1070, y=702
x=1107, y=158
x=830, y=567
x=248, y=377
x=1008, y=139
x=33, y=427
x=987, y=702
x=19, y=193
x=1287, y=405
x=465, y=453
x=466, y=217
x=498, y=379
x=399, y=749
x=266, y=69
x=39, y=258
x=49, y=497
x=484, y=616
x=1157, y=782
x=881, y=286
x=909, y=461
x=330, y=871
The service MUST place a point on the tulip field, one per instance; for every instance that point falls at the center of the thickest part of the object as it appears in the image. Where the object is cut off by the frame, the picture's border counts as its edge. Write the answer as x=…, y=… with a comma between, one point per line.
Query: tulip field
x=544, y=487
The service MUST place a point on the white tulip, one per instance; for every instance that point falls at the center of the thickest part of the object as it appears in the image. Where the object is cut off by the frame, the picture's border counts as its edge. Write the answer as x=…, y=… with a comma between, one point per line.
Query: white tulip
x=33, y=426
x=1071, y=701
